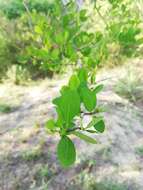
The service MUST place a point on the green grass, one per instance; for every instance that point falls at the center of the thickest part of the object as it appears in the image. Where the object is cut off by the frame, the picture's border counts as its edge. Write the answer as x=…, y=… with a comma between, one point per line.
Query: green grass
x=130, y=86
x=88, y=182
x=31, y=155
x=139, y=150
x=5, y=108
x=45, y=173
x=109, y=185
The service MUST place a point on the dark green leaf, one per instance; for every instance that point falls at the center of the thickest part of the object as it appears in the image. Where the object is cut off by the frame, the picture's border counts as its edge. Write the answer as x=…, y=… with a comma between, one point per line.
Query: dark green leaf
x=94, y=121
x=86, y=51
x=83, y=16
x=100, y=126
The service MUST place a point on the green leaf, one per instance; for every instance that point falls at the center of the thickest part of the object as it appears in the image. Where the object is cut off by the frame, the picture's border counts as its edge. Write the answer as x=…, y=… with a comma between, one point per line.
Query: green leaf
x=38, y=29
x=84, y=137
x=66, y=35
x=82, y=75
x=64, y=89
x=50, y=124
x=94, y=121
x=98, y=88
x=83, y=16
x=66, y=152
x=86, y=51
x=91, y=62
x=83, y=38
x=68, y=106
x=23, y=59
x=55, y=54
x=100, y=126
x=70, y=52
x=59, y=38
x=74, y=82
x=88, y=98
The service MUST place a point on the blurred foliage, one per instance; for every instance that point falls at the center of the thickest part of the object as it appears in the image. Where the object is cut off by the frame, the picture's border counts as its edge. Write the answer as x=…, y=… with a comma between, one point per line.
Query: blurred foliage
x=87, y=181
x=139, y=150
x=110, y=185
x=5, y=53
x=50, y=42
x=4, y=108
x=18, y=75
x=47, y=36
x=124, y=27
x=16, y=8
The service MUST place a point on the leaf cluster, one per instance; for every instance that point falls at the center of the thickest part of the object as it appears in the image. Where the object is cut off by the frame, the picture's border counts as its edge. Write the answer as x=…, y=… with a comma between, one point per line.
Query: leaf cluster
x=77, y=100
x=57, y=39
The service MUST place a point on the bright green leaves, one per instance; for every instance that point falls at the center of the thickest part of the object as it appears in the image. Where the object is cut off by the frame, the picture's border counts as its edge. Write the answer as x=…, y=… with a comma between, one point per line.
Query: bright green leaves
x=76, y=100
x=69, y=106
x=70, y=52
x=58, y=36
x=88, y=98
x=66, y=152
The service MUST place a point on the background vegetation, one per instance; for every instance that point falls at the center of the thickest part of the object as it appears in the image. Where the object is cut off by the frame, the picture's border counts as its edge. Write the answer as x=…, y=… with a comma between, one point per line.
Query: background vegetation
x=31, y=49
x=100, y=42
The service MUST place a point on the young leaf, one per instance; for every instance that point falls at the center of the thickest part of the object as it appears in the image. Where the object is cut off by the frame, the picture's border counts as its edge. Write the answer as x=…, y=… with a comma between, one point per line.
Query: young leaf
x=68, y=106
x=84, y=137
x=74, y=82
x=50, y=124
x=64, y=89
x=66, y=152
x=98, y=88
x=100, y=126
x=94, y=121
x=82, y=75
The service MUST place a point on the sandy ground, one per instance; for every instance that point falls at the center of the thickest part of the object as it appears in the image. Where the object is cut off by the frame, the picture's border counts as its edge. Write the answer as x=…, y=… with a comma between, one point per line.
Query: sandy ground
x=28, y=155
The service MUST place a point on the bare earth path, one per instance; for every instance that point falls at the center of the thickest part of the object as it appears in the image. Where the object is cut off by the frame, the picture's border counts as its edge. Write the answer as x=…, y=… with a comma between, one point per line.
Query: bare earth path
x=27, y=153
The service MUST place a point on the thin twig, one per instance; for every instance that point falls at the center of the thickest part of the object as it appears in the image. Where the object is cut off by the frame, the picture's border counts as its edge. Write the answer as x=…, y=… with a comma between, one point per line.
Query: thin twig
x=104, y=79
x=88, y=113
x=74, y=129
x=29, y=14
x=103, y=19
